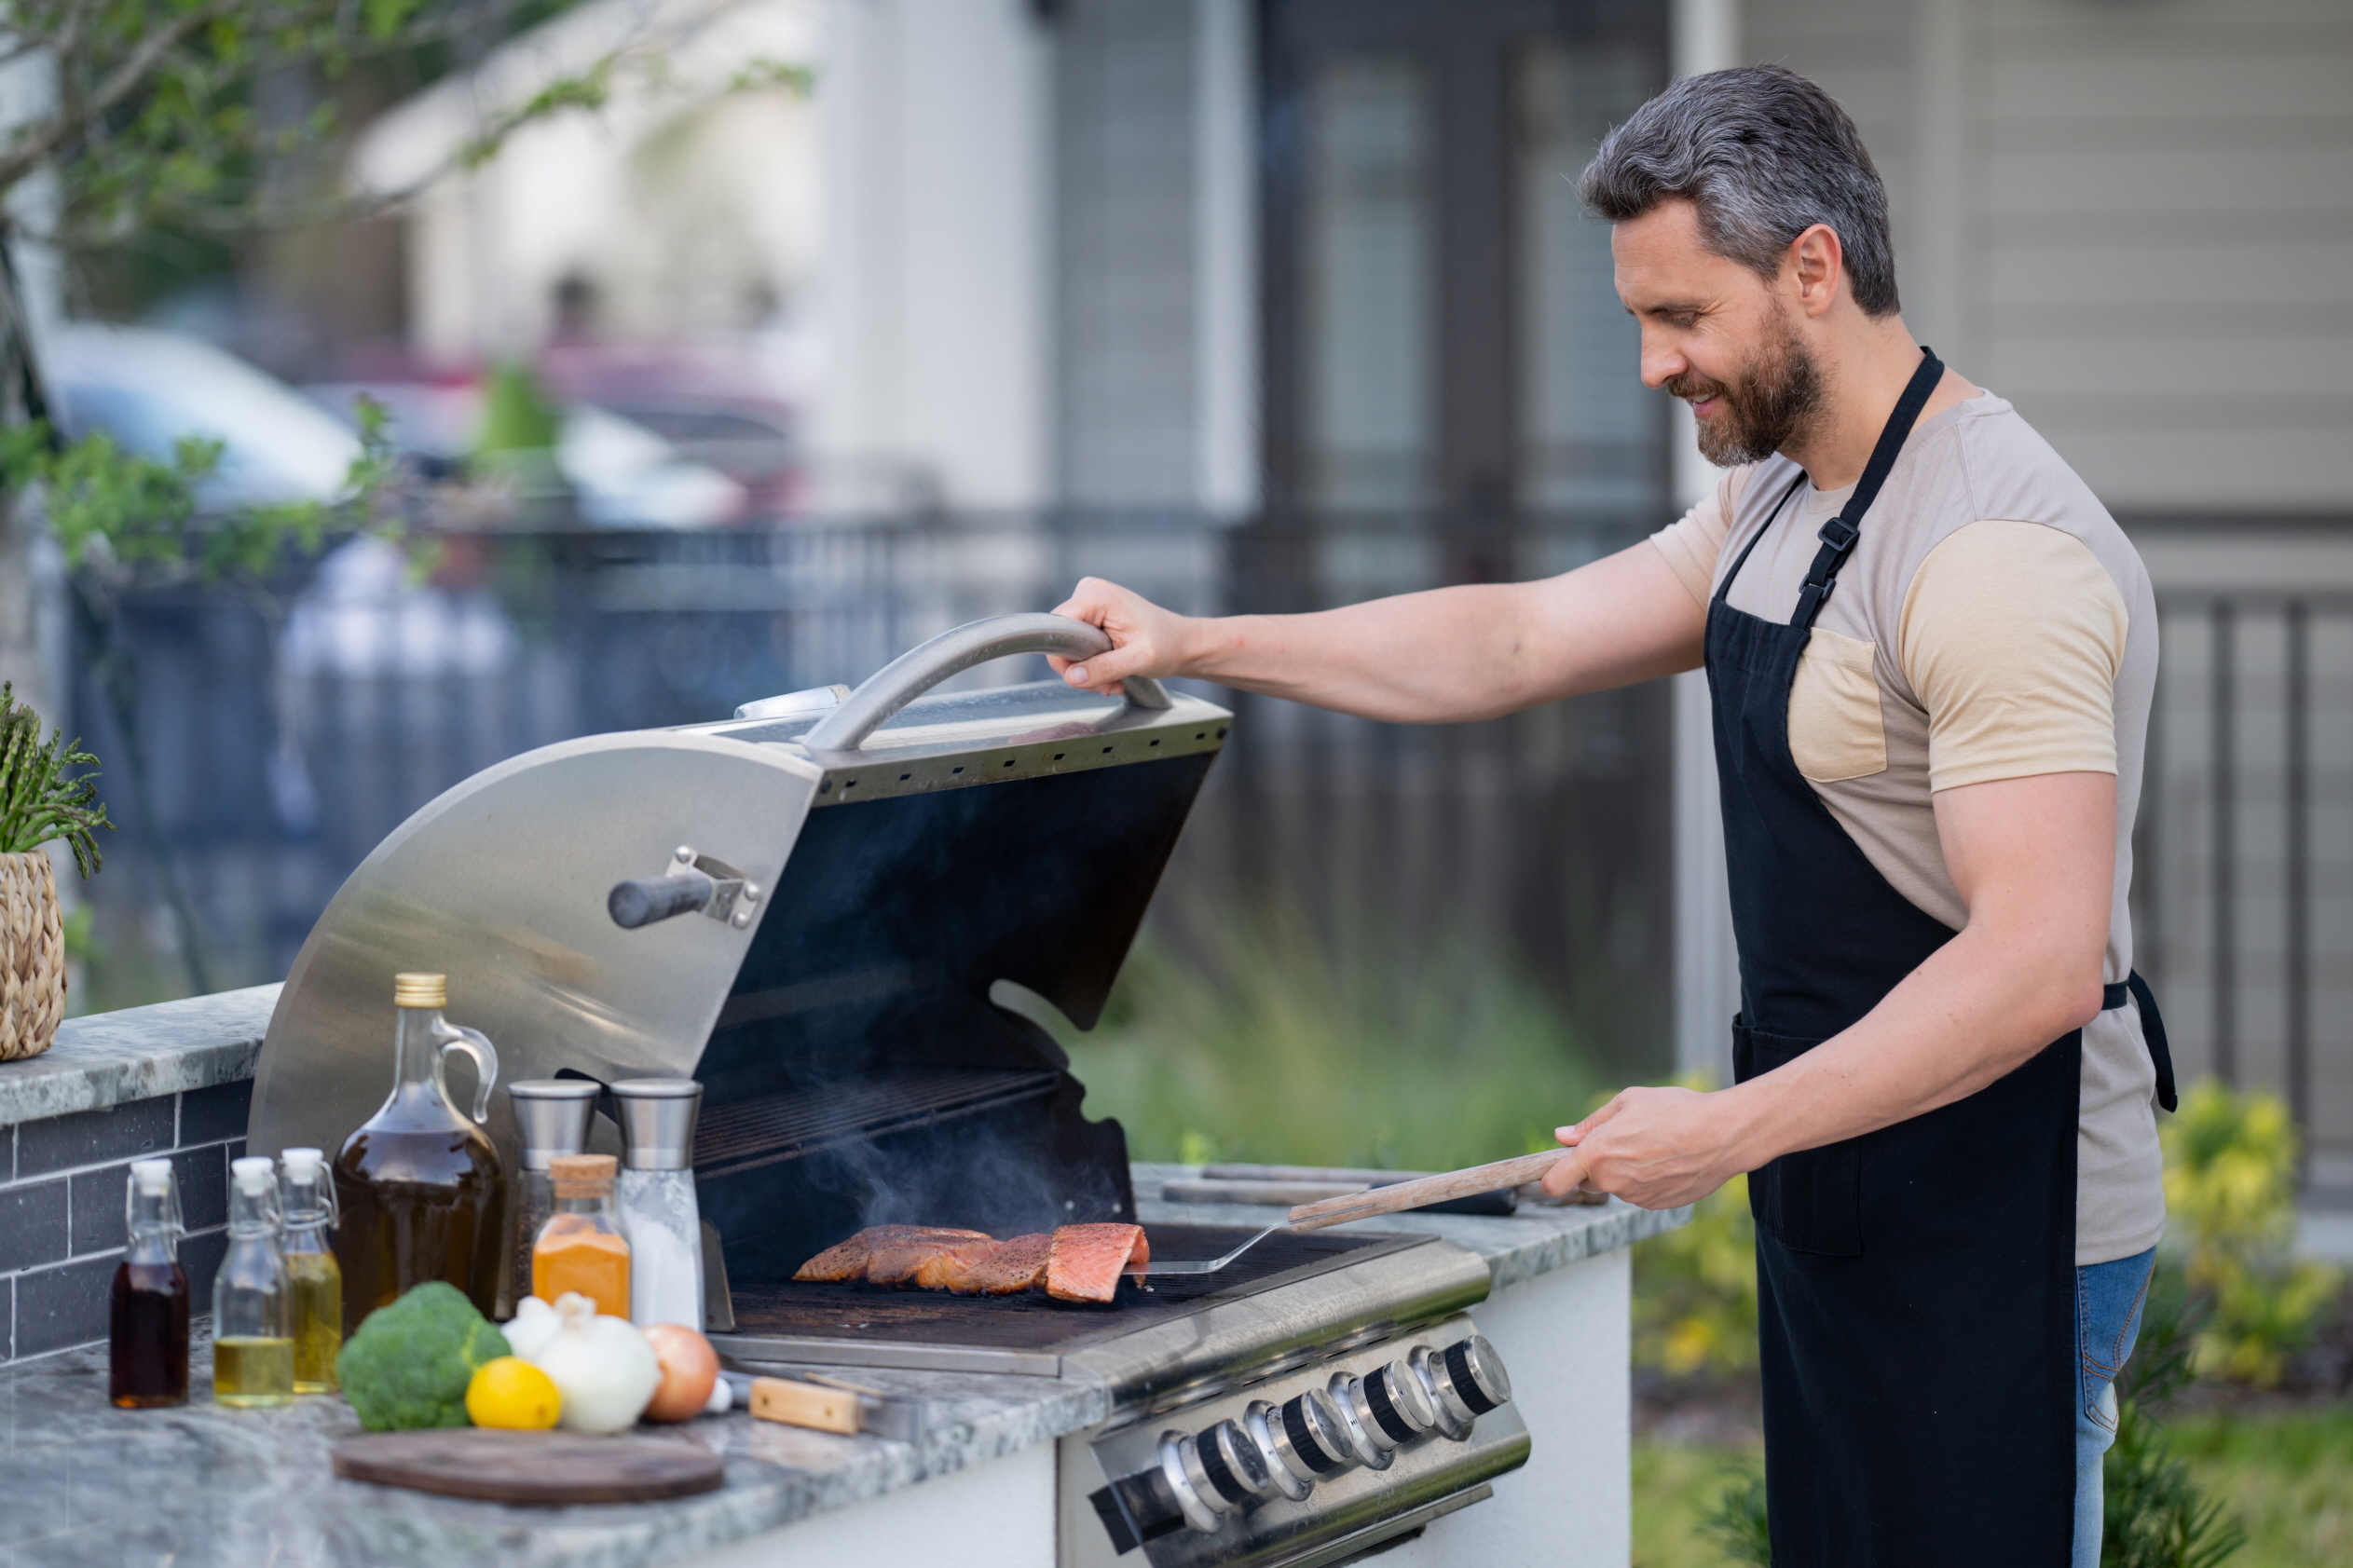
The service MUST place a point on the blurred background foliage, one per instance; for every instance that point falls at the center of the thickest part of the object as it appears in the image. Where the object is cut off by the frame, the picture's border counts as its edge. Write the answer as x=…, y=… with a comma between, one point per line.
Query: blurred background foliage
x=2230, y=1193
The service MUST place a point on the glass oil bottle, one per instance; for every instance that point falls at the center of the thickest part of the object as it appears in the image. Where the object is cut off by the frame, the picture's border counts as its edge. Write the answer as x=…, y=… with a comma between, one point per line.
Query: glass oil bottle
x=147, y=1328
x=252, y=1304
x=418, y=1186
x=581, y=1247
x=308, y=1193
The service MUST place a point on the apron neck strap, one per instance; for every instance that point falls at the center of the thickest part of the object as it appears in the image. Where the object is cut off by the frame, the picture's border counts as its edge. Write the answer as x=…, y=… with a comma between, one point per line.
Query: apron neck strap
x=1839, y=535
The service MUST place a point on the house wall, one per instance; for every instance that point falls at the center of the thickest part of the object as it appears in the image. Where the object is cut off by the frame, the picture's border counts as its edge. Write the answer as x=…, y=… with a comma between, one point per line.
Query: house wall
x=2132, y=221
x=932, y=294
x=1155, y=307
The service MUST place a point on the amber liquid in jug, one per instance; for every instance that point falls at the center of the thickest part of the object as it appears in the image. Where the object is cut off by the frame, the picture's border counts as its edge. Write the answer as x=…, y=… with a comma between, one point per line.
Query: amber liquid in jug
x=418, y=1185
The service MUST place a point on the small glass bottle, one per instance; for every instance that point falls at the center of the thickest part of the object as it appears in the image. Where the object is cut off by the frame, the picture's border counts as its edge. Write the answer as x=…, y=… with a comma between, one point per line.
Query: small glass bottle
x=311, y=1272
x=581, y=1247
x=147, y=1331
x=253, y=1308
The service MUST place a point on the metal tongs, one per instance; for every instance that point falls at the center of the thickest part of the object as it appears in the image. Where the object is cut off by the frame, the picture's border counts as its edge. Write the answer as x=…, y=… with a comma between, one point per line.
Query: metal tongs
x=1392, y=1199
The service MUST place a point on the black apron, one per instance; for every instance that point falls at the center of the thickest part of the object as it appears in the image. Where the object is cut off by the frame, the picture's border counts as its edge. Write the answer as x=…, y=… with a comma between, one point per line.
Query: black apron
x=1916, y=1287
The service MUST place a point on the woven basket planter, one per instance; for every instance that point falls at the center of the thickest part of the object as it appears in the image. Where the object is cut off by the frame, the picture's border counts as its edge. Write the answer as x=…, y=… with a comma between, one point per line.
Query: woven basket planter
x=32, y=956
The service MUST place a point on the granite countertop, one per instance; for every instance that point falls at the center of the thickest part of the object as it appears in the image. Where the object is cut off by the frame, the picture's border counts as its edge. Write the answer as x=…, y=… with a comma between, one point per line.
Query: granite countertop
x=140, y=1053
x=203, y=1486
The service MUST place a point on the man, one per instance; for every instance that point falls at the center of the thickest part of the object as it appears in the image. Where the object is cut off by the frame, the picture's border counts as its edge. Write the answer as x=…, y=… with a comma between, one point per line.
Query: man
x=1931, y=654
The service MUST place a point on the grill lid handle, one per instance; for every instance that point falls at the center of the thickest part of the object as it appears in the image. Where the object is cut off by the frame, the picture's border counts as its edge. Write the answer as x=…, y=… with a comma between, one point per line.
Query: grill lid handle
x=921, y=668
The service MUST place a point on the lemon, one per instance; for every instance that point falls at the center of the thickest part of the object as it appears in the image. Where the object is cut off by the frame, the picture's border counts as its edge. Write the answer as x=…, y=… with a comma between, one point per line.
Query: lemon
x=513, y=1394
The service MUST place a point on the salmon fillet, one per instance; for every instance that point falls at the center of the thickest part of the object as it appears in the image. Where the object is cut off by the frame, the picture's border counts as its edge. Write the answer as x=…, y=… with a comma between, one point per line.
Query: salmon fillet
x=898, y=1261
x=846, y=1260
x=946, y=1269
x=1009, y=1266
x=1086, y=1262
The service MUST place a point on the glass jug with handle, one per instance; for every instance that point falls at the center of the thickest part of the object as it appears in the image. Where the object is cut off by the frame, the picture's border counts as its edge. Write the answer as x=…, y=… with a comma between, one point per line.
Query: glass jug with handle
x=418, y=1185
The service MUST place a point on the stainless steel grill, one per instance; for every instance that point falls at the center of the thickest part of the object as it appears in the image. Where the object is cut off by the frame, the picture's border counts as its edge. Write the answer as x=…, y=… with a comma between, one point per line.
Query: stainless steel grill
x=809, y=909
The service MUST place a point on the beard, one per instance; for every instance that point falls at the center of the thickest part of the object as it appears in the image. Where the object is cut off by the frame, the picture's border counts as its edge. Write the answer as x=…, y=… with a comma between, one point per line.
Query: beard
x=1776, y=399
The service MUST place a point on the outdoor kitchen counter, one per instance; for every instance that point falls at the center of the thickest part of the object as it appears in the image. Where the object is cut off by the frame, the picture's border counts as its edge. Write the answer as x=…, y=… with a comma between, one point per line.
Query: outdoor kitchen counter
x=204, y=1485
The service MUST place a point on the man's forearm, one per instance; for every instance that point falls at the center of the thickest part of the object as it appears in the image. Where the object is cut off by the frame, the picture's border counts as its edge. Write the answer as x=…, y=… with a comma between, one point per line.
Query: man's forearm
x=1976, y=1010
x=1450, y=653
x=1453, y=654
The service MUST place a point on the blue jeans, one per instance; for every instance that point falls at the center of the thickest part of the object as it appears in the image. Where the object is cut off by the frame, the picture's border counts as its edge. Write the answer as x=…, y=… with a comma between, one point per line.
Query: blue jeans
x=2108, y=1302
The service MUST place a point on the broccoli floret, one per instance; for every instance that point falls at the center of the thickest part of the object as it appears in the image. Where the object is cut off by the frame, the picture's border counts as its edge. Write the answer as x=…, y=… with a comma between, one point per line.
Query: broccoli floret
x=409, y=1364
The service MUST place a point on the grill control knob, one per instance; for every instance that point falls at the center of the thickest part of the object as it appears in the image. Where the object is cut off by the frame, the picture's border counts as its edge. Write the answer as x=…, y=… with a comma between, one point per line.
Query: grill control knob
x=1188, y=1483
x=1286, y=1472
x=1429, y=1368
x=1382, y=1409
x=1215, y=1472
x=1474, y=1377
x=1400, y=1407
x=1315, y=1443
x=1237, y=1471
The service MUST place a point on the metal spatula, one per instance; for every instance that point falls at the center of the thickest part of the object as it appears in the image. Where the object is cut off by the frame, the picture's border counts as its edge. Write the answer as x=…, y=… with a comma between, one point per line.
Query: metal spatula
x=1157, y=1267
x=1393, y=1199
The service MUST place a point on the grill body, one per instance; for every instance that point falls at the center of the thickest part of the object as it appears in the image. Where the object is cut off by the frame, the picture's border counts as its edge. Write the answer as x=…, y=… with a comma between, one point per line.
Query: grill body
x=897, y=883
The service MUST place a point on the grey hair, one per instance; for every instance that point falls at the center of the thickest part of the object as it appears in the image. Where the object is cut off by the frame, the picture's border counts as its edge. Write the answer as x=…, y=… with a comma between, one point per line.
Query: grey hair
x=1764, y=155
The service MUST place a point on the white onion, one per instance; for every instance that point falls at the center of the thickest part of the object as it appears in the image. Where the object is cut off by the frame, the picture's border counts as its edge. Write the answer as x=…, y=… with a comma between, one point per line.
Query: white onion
x=602, y=1365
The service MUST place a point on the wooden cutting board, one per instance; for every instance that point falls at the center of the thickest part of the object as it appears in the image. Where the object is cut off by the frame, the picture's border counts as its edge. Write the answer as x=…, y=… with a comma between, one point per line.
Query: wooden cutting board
x=543, y=1468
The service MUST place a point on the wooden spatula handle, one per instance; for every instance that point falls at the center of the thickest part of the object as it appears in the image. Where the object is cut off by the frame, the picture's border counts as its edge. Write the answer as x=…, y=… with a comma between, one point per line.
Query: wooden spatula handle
x=805, y=1404
x=1429, y=1189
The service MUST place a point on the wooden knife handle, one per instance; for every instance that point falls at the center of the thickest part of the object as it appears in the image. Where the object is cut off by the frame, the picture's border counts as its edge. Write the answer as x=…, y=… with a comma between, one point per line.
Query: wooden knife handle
x=1403, y=1195
x=805, y=1404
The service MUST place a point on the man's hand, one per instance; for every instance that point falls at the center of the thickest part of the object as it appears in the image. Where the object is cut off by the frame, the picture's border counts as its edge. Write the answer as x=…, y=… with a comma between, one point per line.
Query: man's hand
x=1145, y=639
x=1654, y=1148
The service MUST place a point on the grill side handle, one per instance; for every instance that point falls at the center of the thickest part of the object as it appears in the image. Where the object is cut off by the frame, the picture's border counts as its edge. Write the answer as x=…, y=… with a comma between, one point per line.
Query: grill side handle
x=921, y=668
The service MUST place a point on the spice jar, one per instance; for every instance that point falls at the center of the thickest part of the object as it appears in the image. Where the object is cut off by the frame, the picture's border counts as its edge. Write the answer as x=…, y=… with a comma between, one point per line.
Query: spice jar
x=581, y=1247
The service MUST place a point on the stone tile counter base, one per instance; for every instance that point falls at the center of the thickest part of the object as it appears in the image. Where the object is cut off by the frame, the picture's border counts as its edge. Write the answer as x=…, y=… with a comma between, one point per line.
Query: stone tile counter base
x=174, y=1079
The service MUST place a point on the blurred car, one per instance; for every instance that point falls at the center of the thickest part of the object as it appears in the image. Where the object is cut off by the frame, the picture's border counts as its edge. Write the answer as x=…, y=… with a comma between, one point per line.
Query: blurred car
x=151, y=390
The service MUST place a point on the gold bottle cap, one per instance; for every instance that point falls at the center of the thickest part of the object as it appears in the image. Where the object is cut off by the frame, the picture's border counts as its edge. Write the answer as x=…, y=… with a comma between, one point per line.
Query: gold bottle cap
x=581, y=1176
x=420, y=990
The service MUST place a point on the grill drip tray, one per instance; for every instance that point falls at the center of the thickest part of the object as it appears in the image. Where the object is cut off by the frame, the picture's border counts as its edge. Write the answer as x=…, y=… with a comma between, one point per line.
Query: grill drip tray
x=867, y=1326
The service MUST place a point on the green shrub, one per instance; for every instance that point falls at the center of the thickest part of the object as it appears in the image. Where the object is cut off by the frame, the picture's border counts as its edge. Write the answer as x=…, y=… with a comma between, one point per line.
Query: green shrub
x=2230, y=1191
x=1737, y=1517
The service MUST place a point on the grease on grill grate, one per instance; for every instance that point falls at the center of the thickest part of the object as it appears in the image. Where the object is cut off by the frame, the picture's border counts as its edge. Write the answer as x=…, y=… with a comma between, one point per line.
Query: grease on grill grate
x=769, y=1131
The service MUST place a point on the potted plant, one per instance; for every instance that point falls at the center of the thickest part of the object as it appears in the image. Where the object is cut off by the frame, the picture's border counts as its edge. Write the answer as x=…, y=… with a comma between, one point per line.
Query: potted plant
x=38, y=803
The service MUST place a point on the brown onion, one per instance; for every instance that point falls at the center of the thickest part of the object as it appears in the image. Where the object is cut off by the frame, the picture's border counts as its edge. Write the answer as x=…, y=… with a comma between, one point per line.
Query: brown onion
x=689, y=1369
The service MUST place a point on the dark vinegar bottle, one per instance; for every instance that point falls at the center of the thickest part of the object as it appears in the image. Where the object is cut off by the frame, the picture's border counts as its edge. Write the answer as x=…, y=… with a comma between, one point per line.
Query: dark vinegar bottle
x=147, y=1327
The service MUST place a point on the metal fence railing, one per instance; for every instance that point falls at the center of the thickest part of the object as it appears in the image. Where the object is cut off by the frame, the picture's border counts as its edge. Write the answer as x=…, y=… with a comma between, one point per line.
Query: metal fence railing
x=2243, y=894
x=279, y=737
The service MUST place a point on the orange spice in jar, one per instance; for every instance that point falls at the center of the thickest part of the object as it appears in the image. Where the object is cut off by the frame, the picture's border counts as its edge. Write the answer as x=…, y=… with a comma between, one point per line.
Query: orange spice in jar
x=581, y=1247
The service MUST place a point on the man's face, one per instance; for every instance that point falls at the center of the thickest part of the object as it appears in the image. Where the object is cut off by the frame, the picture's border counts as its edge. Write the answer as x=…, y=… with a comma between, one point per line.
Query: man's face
x=1716, y=335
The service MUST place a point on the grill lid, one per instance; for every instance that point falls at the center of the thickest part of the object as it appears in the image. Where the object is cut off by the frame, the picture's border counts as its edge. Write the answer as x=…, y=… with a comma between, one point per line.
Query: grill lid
x=874, y=868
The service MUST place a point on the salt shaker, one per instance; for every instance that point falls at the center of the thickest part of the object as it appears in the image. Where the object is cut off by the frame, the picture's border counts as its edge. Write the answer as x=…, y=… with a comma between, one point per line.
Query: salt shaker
x=655, y=1199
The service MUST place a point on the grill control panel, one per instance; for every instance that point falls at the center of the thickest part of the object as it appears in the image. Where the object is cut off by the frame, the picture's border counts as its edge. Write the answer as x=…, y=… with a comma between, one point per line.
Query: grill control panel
x=1271, y=1479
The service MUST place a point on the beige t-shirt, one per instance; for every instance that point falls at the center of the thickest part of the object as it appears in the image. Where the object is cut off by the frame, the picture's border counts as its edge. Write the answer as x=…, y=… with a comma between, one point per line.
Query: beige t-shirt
x=1992, y=622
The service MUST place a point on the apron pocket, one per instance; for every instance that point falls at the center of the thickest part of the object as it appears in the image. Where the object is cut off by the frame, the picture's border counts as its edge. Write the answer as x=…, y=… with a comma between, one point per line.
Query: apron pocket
x=1810, y=1201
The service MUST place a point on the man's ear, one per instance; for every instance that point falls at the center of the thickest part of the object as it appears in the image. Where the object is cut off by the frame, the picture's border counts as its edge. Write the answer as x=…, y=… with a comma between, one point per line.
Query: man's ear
x=1816, y=263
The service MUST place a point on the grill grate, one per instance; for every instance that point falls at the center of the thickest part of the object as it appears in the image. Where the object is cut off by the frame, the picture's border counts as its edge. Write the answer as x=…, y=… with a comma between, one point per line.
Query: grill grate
x=779, y=1127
